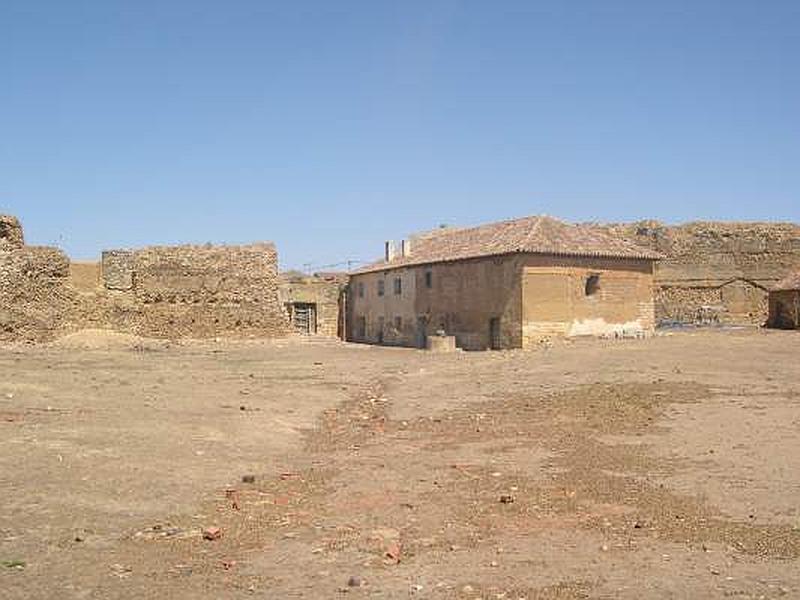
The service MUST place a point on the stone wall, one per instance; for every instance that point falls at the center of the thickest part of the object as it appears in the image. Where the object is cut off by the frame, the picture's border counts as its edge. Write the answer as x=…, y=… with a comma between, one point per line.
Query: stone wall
x=716, y=272
x=181, y=291
x=36, y=302
x=193, y=291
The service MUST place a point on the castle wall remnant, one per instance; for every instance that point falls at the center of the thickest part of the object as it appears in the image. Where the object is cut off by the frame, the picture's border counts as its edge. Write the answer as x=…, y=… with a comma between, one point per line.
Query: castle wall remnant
x=716, y=272
x=174, y=292
x=36, y=301
x=194, y=291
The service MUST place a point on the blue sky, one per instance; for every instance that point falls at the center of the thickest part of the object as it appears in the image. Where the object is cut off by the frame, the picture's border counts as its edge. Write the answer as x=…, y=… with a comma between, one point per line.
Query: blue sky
x=328, y=127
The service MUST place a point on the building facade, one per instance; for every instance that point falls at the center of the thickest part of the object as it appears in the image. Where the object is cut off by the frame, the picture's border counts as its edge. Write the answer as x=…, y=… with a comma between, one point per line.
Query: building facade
x=503, y=285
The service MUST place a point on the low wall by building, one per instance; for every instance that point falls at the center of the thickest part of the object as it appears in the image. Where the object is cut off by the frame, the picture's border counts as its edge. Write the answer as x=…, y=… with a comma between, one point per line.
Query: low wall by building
x=716, y=272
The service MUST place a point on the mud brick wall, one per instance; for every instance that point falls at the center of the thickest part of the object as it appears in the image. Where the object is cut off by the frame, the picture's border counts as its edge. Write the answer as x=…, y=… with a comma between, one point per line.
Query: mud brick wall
x=194, y=291
x=36, y=302
x=716, y=271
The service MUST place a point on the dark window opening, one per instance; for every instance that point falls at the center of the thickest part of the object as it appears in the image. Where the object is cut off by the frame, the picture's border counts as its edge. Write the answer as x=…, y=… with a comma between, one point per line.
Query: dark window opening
x=495, y=341
x=428, y=279
x=592, y=285
x=380, y=287
x=398, y=323
x=398, y=286
x=361, y=327
x=361, y=289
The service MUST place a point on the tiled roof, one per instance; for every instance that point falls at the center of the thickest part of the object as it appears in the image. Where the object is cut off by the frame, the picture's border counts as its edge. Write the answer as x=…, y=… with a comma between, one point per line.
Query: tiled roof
x=792, y=282
x=536, y=235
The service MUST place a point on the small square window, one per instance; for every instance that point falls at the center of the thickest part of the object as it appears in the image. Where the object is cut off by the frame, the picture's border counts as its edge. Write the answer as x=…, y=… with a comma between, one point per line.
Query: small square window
x=380, y=287
x=428, y=279
x=398, y=286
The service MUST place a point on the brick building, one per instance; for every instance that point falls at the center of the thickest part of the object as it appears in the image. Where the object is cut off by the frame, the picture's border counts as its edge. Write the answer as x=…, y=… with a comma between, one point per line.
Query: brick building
x=784, y=303
x=504, y=285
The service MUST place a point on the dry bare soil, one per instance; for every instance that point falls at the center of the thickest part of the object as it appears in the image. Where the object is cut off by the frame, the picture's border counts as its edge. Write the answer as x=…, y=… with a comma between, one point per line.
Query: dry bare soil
x=660, y=468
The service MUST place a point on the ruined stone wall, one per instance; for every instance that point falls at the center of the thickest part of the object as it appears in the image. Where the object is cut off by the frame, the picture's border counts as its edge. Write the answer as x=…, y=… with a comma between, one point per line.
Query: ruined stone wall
x=36, y=302
x=193, y=291
x=182, y=291
x=716, y=272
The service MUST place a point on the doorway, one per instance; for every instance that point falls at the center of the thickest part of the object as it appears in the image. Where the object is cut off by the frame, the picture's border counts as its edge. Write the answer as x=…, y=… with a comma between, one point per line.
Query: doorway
x=422, y=332
x=304, y=317
x=494, y=333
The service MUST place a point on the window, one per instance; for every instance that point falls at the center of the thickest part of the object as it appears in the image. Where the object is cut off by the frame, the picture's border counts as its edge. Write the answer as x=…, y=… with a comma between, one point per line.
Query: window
x=380, y=287
x=361, y=289
x=428, y=279
x=398, y=286
x=592, y=285
x=398, y=323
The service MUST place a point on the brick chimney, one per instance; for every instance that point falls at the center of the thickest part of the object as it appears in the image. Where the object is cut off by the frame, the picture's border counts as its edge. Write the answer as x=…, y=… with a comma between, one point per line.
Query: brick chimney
x=390, y=251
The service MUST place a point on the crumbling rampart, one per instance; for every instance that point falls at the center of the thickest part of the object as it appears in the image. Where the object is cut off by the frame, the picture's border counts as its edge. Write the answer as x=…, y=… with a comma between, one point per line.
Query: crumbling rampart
x=716, y=272
x=35, y=300
x=171, y=292
x=194, y=291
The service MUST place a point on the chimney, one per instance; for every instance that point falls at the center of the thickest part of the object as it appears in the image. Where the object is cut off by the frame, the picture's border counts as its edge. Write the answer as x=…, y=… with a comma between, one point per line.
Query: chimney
x=405, y=248
x=390, y=251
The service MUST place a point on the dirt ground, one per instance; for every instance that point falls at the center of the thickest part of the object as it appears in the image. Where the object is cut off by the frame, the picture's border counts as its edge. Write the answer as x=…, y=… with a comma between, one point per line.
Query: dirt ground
x=659, y=468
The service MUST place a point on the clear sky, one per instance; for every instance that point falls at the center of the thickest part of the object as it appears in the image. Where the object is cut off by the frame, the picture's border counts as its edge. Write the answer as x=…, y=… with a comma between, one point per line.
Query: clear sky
x=330, y=126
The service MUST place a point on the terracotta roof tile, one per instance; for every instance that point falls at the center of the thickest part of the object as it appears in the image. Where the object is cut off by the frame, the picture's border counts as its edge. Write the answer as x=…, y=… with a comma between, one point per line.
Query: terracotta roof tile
x=536, y=235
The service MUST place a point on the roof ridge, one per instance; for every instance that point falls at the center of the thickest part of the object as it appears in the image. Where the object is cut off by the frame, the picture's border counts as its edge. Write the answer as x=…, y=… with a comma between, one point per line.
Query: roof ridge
x=537, y=234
